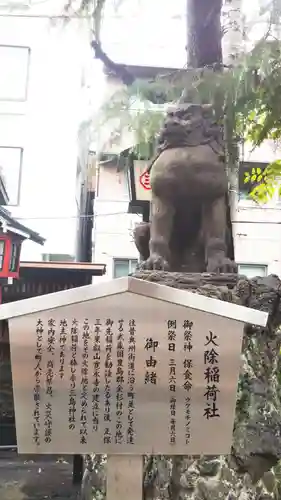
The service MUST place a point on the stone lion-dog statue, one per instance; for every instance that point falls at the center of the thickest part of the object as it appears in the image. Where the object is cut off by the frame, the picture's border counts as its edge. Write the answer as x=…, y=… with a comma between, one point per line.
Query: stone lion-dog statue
x=190, y=228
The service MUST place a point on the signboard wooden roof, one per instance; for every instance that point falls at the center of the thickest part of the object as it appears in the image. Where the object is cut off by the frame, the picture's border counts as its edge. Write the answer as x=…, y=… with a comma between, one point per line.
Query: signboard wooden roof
x=126, y=367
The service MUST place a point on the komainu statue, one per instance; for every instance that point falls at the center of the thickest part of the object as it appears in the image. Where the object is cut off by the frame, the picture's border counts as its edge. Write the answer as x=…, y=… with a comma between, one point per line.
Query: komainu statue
x=190, y=228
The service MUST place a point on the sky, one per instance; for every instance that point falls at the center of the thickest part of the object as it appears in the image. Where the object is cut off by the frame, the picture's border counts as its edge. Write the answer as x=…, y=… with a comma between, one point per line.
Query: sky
x=147, y=32
x=143, y=32
x=153, y=32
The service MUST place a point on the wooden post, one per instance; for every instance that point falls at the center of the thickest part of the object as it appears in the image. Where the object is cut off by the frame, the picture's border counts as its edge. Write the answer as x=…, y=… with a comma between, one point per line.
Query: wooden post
x=124, y=477
x=77, y=471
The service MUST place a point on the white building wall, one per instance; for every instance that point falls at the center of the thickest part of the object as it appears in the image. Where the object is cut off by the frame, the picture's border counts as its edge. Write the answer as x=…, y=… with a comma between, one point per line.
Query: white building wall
x=257, y=228
x=113, y=225
x=45, y=126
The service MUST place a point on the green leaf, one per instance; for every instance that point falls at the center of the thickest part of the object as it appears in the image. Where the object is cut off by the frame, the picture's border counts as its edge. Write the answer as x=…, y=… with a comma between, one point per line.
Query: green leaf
x=252, y=115
x=247, y=177
x=253, y=178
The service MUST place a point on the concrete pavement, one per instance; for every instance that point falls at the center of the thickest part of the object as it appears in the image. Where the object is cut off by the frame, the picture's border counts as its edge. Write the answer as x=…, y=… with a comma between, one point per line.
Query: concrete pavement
x=25, y=477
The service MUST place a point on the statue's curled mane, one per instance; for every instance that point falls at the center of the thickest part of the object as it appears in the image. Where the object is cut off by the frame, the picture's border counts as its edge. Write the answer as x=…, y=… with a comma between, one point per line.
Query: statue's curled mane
x=189, y=125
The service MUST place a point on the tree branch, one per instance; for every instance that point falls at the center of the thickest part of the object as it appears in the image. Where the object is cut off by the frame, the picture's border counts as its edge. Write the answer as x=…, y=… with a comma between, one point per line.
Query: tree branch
x=119, y=70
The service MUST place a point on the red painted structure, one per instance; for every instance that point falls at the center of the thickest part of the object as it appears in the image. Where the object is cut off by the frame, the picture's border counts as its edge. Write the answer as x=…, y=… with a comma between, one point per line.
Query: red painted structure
x=10, y=248
x=12, y=234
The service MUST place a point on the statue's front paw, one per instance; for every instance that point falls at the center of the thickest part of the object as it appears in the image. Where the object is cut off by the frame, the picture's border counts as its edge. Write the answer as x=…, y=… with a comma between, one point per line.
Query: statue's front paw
x=155, y=262
x=221, y=265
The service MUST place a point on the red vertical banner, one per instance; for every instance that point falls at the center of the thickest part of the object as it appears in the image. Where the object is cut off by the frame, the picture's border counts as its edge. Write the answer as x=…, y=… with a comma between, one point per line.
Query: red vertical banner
x=145, y=181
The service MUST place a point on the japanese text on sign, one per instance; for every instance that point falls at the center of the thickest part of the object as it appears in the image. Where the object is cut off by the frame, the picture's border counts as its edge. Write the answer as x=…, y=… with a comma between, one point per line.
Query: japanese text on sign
x=125, y=382
x=212, y=376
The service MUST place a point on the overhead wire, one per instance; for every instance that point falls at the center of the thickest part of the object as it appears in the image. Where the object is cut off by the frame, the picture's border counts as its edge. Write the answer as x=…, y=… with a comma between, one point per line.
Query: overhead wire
x=55, y=217
x=129, y=214
x=81, y=16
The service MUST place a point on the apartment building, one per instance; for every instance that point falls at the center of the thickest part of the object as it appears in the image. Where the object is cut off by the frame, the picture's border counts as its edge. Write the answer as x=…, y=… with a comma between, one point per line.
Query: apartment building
x=112, y=236
x=257, y=228
x=41, y=106
x=113, y=226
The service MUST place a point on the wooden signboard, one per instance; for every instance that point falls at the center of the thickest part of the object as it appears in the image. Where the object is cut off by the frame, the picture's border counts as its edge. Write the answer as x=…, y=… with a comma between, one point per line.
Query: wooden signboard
x=126, y=367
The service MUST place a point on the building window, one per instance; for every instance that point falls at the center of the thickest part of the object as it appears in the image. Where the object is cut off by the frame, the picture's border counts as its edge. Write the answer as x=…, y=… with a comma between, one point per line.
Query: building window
x=14, y=64
x=57, y=257
x=252, y=270
x=123, y=267
x=2, y=253
x=245, y=189
x=15, y=253
x=10, y=170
